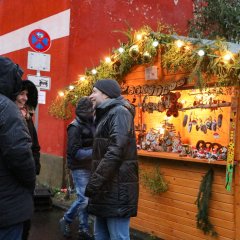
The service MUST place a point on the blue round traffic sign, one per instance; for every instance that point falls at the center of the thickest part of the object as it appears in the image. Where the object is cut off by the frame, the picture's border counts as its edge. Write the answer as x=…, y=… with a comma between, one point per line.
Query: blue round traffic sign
x=39, y=40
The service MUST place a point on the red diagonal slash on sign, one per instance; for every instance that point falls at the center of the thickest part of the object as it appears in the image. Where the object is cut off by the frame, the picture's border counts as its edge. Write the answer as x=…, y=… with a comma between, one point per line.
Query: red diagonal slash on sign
x=39, y=40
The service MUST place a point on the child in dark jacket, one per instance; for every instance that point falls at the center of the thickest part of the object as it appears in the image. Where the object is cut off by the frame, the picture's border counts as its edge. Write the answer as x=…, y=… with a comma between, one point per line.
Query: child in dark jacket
x=79, y=158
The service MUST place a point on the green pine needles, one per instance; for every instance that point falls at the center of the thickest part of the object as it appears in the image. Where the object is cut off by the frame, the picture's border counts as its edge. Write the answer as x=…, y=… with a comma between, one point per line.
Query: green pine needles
x=202, y=202
x=154, y=181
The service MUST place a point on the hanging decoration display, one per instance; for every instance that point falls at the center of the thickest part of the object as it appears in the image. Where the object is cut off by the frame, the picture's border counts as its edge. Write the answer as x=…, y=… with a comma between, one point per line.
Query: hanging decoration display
x=231, y=146
x=202, y=62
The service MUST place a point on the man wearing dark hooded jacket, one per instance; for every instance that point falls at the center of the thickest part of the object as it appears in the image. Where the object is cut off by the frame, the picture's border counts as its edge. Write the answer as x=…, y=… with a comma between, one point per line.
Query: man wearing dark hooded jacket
x=17, y=170
x=79, y=158
x=113, y=185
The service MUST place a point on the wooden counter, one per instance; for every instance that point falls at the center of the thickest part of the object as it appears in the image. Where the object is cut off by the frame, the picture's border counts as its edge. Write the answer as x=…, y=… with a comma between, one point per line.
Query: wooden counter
x=172, y=215
x=175, y=156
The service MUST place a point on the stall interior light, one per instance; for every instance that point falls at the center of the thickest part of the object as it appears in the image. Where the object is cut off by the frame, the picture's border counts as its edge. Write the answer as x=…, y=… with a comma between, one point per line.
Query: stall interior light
x=71, y=87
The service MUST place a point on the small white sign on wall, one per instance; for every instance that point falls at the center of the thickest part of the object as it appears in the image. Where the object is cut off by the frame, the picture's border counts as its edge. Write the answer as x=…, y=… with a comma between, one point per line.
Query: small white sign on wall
x=42, y=97
x=38, y=61
x=151, y=73
x=44, y=83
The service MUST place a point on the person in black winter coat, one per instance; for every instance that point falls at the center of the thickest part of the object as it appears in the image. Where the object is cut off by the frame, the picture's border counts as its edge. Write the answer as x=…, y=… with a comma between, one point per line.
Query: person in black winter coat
x=17, y=170
x=79, y=158
x=27, y=101
x=113, y=185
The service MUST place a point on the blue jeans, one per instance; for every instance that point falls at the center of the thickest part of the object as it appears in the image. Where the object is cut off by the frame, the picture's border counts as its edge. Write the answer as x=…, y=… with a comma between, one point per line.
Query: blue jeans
x=79, y=207
x=111, y=228
x=12, y=233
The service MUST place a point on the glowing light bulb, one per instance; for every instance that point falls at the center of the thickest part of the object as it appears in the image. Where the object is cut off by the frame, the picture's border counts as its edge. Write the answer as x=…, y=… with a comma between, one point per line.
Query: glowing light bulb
x=155, y=43
x=107, y=59
x=201, y=53
x=71, y=87
x=179, y=43
x=121, y=50
x=139, y=36
x=94, y=71
x=61, y=93
x=227, y=56
x=82, y=78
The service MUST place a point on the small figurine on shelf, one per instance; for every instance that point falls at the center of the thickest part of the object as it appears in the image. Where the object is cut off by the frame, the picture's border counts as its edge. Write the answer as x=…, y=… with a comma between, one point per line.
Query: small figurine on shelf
x=223, y=154
x=214, y=155
x=167, y=141
x=177, y=144
x=201, y=153
x=151, y=142
x=185, y=150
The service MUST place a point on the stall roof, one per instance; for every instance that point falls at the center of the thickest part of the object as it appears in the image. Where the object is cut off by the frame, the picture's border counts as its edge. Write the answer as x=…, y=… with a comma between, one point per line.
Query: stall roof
x=233, y=47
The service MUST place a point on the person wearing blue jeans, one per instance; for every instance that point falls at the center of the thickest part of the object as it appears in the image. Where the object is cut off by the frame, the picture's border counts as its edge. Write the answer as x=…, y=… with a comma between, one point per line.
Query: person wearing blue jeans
x=79, y=157
x=79, y=207
x=111, y=228
x=113, y=184
x=12, y=233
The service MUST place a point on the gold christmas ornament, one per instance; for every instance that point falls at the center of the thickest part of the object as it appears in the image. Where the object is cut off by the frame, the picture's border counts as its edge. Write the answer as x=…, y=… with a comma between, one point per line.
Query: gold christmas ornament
x=134, y=51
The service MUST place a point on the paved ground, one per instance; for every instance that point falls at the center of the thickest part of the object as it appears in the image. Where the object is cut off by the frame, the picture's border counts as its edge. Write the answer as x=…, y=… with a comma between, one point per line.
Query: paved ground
x=45, y=225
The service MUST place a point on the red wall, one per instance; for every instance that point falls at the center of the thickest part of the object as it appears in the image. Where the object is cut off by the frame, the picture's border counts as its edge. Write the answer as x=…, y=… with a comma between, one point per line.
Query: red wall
x=94, y=22
x=91, y=39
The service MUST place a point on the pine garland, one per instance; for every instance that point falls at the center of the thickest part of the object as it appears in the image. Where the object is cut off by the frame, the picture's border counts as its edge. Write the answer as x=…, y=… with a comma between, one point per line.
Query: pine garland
x=184, y=59
x=202, y=202
x=155, y=181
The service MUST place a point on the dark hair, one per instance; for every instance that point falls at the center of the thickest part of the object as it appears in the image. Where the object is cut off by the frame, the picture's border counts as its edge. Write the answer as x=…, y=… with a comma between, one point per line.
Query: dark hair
x=32, y=101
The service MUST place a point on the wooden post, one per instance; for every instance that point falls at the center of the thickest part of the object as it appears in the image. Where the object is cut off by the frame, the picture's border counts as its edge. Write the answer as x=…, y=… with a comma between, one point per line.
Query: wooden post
x=237, y=172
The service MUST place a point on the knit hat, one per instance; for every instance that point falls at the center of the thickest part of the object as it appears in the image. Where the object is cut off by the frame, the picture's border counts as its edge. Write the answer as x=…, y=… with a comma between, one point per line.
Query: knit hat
x=32, y=101
x=84, y=106
x=109, y=87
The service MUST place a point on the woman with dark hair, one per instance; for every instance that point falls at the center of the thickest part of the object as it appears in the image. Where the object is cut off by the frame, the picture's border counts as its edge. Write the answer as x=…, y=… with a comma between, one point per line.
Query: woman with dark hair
x=27, y=101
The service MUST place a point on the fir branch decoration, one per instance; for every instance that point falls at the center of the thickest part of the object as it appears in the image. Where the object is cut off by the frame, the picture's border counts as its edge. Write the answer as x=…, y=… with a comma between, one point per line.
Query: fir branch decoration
x=201, y=68
x=60, y=109
x=154, y=181
x=202, y=202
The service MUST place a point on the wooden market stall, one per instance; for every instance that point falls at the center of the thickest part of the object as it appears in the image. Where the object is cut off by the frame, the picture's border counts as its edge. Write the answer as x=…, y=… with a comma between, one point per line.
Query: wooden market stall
x=204, y=116
x=187, y=131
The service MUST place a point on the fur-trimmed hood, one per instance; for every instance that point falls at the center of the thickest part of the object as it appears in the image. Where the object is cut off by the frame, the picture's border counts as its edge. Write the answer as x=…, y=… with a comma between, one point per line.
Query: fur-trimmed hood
x=32, y=101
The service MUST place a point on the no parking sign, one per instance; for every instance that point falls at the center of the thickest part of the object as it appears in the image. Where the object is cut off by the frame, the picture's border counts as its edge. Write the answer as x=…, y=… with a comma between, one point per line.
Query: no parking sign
x=39, y=40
